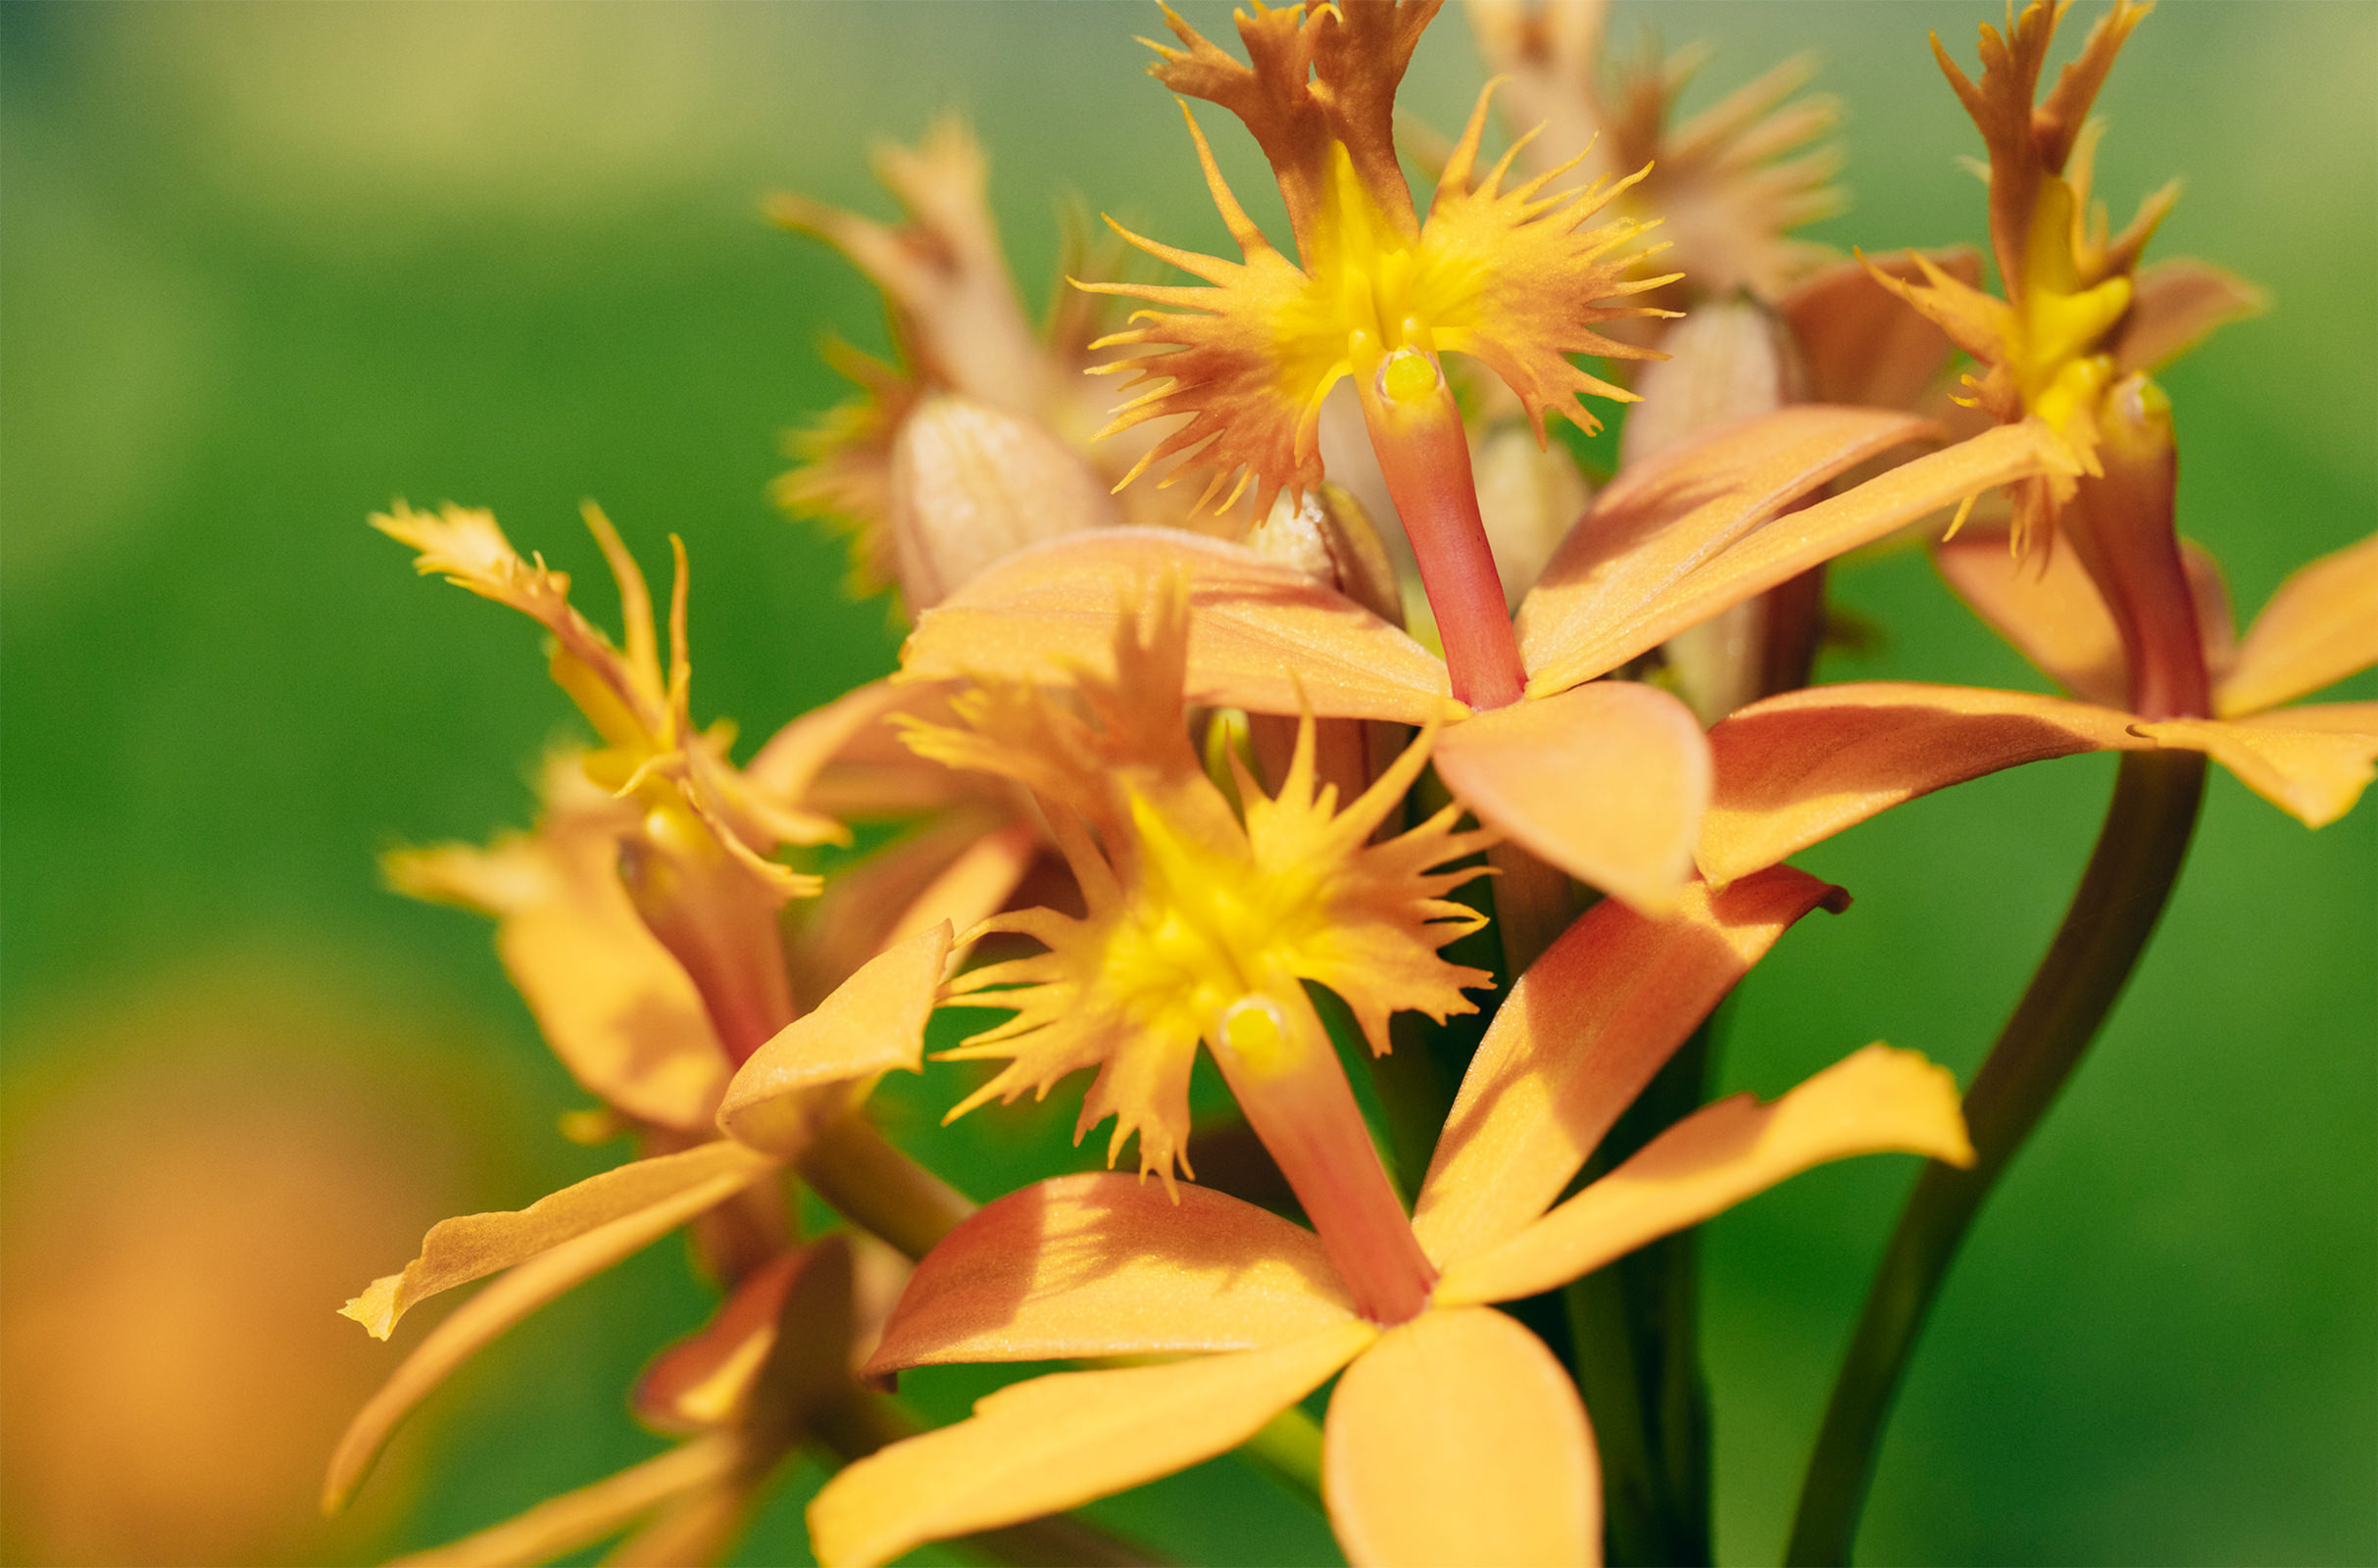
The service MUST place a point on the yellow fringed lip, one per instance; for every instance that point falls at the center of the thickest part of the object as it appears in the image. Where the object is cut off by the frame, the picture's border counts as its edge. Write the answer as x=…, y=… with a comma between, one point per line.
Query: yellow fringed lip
x=1511, y=277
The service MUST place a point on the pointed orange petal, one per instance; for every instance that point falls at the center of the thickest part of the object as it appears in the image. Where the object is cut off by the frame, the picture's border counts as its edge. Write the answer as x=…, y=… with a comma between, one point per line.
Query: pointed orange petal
x=2312, y=763
x=2053, y=612
x=520, y=1291
x=1877, y=1102
x=2174, y=304
x=2319, y=627
x=953, y=871
x=1577, y=1039
x=1263, y=636
x=1458, y=1438
x=783, y=770
x=1606, y=781
x=562, y=1525
x=700, y=1381
x=1662, y=518
x=822, y=1064
x=472, y=1247
x=1801, y=768
x=1786, y=548
x=1107, y=1264
x=1057, y=1442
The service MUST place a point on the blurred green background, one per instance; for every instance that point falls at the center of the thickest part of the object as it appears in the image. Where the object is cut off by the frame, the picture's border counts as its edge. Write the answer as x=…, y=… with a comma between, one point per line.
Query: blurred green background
x=263, y=269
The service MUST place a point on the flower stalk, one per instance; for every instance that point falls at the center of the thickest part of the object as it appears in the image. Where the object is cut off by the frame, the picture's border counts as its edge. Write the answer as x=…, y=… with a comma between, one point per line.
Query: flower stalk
x=2130, y=877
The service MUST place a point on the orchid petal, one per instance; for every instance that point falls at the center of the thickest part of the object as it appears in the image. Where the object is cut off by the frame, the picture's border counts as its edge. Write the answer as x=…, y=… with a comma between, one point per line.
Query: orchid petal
x=1875, y=1101
x=2312, y=763
x=962, y=868
x=2050, y=610
x=1106, y=1264
x=2174, y=304
x=520, y=1291
x=1263, y=635
x=1458, y=1438
x=560, y=1526
x=786, y=768
x=470, y=1247
x=2319, y=627
x=873, y=1024
x=702, y=1380
x=1576, y=1040
x=1057, y=1442
x=1799, y=768
x=1662, y=519
x=1779, y=552
x=1863, y=343
x=615, y=1004
x=1605, y=781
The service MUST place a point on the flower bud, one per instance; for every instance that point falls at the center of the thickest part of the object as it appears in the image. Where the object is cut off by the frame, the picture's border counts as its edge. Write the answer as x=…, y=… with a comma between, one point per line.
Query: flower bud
x=971, y=484
x=1529, y=497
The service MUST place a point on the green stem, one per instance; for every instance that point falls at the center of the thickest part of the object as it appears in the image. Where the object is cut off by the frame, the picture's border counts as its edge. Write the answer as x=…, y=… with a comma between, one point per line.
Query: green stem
x=2129, y=879
x=1635, y=1329
x=868, y=1182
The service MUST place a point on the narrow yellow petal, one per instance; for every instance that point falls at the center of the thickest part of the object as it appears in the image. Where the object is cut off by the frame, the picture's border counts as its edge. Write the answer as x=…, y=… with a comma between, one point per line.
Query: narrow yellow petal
x=472, y=1247
x=1879, y=1100
x=1606, y=781
x=1057, y=1442
x=2319, y=627
x=519, y=1292
x=1795, y=769
x=2312, y=763
x=1458, y=1438
x=562, y=1525
x=1263, y=637
x=1576, y=1040
x=1107, y=1264
x=822, y=1064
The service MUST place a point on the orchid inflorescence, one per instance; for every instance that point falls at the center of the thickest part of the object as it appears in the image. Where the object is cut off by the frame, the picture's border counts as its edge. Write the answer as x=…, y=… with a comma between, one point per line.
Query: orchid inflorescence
x=1212, y=772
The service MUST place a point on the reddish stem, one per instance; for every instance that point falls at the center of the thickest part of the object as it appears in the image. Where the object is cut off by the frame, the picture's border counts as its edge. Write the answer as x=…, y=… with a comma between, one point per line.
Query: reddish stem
x=1284, y=1071
x=1415, y=429
x=2125, y=531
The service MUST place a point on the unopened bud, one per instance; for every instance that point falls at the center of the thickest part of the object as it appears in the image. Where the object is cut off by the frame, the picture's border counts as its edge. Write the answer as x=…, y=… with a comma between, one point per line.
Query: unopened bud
x=972, y=484
x=1328, y=536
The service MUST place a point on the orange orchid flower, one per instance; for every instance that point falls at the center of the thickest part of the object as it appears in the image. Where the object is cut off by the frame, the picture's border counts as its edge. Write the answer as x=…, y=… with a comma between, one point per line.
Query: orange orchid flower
x=1606, y=780
x=1377, y=292
x=1453, y=1436
x=1205, y=922
x=1800, y=767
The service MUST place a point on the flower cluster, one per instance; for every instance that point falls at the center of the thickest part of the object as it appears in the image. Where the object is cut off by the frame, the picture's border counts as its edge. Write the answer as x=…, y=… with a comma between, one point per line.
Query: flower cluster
x=1184, y=778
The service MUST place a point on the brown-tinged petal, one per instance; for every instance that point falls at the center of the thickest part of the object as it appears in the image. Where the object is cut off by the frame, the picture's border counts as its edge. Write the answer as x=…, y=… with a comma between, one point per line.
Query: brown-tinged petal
x=1057, y=1442
x=700, y=1381
x=961, y=870
x=823, y=1062
x=1573, y=646
x=562, y=1525
x=1801, y=768
x=616, y=1008
x=2053, y=612
x=2174, y=304
x=1606, y=781
x=472, y=1247
x=1577, y=1039
x=784, y=769
x=520, y=1291
x=1859, y=342
x=1662, y=518
x=1263, y=635
x=2319, y=627
x=1879, y=1100
x=2312, y=763
x=1458, y=1438
x=1107, y=1264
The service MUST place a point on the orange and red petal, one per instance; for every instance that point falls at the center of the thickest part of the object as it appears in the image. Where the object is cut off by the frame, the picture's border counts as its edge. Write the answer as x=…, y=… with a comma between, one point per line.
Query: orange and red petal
x=2319, y=627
